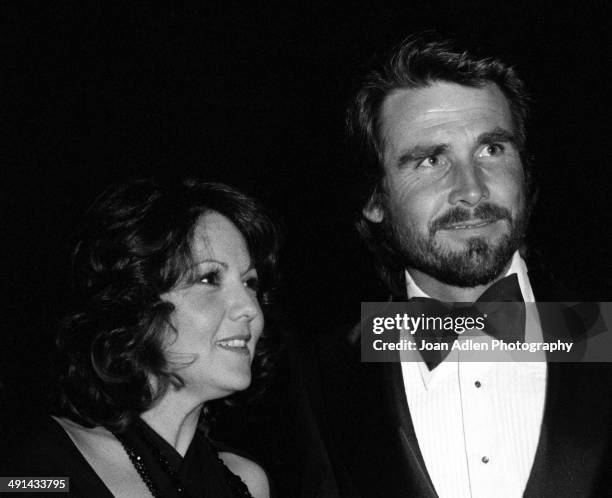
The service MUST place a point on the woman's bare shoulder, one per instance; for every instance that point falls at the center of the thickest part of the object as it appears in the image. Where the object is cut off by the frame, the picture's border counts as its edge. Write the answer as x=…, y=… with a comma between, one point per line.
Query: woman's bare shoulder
x=106, y=456
x=253, y=475
x=88, y=439
x=77, y=430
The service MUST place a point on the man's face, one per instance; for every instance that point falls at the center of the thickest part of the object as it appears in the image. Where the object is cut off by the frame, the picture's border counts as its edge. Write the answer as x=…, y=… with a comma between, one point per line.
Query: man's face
x=454, y=182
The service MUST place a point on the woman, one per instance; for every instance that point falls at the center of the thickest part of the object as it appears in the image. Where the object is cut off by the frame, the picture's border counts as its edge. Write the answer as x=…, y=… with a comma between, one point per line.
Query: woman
x=171, y=283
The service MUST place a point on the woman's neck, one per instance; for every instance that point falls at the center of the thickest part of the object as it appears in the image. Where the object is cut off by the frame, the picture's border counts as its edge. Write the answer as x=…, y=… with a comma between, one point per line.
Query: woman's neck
x=175, y=421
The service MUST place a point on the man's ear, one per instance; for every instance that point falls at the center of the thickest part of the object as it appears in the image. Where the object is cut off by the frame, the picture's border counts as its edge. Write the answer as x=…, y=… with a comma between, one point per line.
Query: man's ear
x=373, y=211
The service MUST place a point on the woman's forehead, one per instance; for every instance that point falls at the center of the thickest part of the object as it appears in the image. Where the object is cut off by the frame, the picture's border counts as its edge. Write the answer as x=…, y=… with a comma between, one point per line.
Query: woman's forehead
x=215, y=237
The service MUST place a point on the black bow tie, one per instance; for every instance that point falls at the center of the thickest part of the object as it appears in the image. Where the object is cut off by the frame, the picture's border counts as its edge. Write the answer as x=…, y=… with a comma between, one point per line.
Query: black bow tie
x=504, y=321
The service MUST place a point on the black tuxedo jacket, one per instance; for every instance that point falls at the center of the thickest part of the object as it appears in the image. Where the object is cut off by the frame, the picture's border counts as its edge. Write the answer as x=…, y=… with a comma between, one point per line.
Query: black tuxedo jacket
x=367, y=446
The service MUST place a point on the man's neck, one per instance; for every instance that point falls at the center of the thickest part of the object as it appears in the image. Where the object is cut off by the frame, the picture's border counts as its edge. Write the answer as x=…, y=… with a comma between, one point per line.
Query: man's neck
x=450, y=293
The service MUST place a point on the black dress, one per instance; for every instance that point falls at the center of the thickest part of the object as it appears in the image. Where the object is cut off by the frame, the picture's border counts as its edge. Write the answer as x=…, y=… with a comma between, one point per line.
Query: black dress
x=47, y=451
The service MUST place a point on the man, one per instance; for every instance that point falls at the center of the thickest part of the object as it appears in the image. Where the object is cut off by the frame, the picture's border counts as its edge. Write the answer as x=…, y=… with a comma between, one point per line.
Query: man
x=441, y=140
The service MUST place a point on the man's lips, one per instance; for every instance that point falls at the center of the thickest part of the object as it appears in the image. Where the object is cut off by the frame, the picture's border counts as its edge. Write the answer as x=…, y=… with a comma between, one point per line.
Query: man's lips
x=468, y=225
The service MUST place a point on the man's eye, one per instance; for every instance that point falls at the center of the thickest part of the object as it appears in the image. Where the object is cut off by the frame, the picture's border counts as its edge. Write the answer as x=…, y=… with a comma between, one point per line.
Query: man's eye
x=492, y=150
x=432, y=162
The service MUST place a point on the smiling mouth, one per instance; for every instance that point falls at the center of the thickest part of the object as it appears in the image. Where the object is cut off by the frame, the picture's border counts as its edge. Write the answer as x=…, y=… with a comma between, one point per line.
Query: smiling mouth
x=467, y=225
x=236, y=344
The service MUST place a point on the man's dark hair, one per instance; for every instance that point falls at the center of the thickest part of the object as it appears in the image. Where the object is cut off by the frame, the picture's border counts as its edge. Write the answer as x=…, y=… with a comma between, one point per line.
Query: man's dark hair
x=135, y=245
x=417, y=62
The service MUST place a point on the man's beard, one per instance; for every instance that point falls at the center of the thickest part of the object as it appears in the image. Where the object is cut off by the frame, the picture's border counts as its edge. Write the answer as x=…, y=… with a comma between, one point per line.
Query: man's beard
x=478, y=263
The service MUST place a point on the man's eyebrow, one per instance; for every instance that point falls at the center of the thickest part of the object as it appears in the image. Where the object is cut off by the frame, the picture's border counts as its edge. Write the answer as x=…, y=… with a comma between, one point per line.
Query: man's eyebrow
x=496, y=135
x=420, y=152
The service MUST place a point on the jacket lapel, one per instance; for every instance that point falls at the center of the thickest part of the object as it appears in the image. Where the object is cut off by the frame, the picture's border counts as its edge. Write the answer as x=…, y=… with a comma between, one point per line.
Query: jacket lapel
x=385, y=459
x=412, y=459
x=575, y=433
x=360, y=423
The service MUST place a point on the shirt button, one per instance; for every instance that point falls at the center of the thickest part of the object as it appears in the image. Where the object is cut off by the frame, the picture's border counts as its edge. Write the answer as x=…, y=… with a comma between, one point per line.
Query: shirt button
x=477, y=383
x=485, y=459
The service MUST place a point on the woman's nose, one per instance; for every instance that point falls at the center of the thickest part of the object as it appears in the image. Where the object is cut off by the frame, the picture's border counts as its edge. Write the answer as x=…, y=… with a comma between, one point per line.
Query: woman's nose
x=244, y=303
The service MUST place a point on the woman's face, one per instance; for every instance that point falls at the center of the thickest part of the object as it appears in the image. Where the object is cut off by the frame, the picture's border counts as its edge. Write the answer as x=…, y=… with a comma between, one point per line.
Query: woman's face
x=217, y=316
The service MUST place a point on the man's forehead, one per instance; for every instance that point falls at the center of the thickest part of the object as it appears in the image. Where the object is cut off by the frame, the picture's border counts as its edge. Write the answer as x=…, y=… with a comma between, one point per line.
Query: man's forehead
x=409, y=111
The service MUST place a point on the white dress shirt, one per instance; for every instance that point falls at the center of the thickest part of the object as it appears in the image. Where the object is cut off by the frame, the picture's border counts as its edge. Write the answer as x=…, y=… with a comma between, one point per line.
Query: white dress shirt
x=478, y=423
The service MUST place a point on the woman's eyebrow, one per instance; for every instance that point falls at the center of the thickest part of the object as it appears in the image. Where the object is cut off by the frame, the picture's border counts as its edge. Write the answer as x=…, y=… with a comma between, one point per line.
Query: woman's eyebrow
x=251, y=267
x=211, y=260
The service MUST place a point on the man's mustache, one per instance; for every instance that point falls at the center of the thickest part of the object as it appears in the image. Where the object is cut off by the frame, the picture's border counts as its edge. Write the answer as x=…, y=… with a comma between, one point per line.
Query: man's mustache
x=483, y=212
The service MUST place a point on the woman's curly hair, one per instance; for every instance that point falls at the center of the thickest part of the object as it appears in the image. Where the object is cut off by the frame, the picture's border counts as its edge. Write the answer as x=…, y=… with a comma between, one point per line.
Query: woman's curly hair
x=134, y=246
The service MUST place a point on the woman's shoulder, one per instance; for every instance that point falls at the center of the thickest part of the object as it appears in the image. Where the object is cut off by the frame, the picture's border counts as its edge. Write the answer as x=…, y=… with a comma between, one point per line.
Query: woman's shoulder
x=84, y=437
x=251, y=473
x=105, y=457
x=243, y=466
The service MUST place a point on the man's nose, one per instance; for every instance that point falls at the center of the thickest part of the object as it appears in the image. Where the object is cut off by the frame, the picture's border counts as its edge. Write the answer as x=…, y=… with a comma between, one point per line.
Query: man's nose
x=243, y=303
x=468, y=187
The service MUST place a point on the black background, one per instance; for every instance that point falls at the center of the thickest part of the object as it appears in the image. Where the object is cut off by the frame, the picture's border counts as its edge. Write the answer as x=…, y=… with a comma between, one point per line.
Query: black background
x=254, y=96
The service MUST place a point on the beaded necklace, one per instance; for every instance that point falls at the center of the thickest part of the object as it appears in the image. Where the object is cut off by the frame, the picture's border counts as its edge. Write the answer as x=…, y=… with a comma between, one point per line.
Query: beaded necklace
x=237, y=486
x=142, y=470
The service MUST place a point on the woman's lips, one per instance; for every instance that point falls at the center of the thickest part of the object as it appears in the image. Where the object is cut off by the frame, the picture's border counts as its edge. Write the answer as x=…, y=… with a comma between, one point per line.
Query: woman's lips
x=235, y=344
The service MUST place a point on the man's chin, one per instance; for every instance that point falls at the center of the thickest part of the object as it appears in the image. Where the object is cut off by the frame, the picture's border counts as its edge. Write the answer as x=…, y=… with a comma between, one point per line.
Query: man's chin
x=467, y=276
x=476, y=262
x=461, y=240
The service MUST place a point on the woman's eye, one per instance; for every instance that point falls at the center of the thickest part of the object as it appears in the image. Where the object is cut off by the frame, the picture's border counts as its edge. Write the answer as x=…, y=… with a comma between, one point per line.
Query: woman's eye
x=492, y=150
x=252, y=283
x=210, y=278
